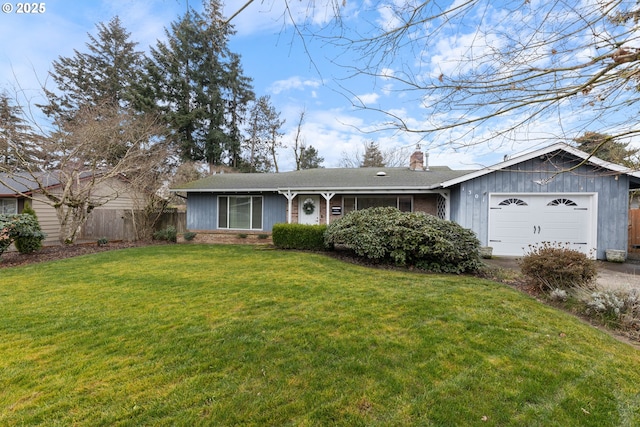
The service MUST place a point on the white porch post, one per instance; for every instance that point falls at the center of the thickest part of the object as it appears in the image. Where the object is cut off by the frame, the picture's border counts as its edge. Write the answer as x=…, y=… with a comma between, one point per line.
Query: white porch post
x=290, y=196
x=327, y=198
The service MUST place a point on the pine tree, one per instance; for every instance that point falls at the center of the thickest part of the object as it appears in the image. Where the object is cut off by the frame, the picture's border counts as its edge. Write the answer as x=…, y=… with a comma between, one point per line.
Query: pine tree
x=607, y=148
x=105, y=74
x=200, y=84
x=310, y=158
x=16, y=137
x=372, y=157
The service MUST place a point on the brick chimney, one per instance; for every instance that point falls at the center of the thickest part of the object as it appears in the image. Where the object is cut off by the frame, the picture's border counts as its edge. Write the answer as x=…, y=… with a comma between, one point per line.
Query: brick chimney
x=416, y=161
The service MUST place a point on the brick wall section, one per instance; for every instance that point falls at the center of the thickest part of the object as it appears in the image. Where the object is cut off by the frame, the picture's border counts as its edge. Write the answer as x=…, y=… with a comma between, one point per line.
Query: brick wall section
x=427, y=203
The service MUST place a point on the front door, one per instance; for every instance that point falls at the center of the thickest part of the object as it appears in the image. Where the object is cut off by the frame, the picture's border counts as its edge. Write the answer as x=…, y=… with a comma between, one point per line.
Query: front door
x=309, y=210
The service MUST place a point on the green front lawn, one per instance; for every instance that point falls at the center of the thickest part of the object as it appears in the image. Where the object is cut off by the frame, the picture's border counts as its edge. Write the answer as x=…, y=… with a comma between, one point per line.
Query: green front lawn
x=234, y=335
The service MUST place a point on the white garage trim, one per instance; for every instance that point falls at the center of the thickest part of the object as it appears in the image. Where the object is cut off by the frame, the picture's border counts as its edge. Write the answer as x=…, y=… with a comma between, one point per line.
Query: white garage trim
x=518, y=220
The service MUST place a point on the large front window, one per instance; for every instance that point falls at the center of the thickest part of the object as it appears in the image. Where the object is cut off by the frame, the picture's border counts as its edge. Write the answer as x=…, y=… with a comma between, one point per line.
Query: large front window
x=8, y=206
x=240, y=212
x=404, y=203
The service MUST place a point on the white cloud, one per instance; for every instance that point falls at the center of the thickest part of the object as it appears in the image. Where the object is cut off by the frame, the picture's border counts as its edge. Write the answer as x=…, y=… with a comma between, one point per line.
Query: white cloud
x=293, y=83
x=367, y=98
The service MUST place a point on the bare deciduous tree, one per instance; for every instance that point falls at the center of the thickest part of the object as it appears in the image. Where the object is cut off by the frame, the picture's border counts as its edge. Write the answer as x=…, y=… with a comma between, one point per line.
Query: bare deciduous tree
x=87, y=163
x=489, y=71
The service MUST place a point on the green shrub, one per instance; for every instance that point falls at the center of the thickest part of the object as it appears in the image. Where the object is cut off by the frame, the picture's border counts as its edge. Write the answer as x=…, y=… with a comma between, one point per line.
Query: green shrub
x=103, y=241
x=550, y=266
x=169, y=234
x=387, y=235
x=299, y=236
x=242, y=235
x=189, y=236
x=30, y=239
x=23, y=227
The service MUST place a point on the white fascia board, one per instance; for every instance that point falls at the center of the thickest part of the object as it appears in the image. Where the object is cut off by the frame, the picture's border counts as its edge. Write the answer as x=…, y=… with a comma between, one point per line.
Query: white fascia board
x=313, y=190
x=223, y=190
x=362, y=190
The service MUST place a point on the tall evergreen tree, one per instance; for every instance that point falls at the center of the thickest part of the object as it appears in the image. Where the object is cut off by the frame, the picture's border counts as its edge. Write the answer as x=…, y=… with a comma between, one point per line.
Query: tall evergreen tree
x=200, y=85
x=105, y=74
x=607, y=148
x=16, y=137
x=240, y=94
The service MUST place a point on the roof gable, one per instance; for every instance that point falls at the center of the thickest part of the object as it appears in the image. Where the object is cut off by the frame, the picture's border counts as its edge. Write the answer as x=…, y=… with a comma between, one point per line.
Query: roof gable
x=588, y=158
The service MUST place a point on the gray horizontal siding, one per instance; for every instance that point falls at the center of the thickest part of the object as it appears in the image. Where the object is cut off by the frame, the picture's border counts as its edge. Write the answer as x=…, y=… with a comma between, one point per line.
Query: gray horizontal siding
x=202, y=211
x=470, y=201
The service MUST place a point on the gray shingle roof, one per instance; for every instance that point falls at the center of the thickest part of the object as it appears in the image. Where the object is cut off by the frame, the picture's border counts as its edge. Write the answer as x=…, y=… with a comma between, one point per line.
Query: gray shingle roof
x=339, y=179
x=11, y=185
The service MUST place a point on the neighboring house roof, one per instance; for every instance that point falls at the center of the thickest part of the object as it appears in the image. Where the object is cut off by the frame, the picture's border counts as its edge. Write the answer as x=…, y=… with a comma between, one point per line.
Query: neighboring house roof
x=16, y=184
x=350, y=180
x=23, y=183
x=541, y=152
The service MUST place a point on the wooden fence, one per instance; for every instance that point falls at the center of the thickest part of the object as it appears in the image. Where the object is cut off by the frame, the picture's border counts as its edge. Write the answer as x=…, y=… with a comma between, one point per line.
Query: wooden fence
x=634, y=232
x=118, y=224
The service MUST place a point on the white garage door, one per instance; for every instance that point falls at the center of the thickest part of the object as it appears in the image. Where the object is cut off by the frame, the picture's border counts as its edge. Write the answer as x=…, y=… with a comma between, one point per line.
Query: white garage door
x=519, y=220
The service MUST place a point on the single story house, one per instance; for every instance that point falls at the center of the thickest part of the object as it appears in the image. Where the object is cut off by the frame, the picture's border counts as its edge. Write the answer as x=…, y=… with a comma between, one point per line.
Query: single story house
x=110, y=220
x=553, y=194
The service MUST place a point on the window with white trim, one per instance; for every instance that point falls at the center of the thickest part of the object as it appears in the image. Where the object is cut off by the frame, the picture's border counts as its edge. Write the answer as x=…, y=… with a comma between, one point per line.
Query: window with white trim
x=8, y=206
x=404, y=203
x=240, y=212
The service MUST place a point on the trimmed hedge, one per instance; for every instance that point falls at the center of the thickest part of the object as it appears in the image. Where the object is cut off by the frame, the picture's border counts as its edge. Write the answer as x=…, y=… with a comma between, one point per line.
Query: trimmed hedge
x=387, y=235
x=299, y=236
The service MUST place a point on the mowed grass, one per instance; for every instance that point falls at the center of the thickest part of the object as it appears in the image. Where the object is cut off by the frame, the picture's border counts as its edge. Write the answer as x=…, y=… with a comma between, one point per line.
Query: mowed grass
x=188, y=335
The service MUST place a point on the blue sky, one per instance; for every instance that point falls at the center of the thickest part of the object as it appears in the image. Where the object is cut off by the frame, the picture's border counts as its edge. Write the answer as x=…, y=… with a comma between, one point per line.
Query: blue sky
x=272, y=55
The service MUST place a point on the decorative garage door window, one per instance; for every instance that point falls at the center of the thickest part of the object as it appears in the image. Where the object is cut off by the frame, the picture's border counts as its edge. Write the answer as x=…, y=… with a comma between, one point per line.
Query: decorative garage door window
x=513, y=201
x=562, y=202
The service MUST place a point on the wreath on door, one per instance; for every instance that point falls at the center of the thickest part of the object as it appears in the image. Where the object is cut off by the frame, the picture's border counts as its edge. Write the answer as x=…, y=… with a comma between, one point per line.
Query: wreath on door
x=308, y=206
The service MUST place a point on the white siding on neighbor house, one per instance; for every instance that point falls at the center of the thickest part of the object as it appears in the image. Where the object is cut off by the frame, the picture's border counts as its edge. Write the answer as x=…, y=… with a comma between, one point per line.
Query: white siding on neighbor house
x=49, y=220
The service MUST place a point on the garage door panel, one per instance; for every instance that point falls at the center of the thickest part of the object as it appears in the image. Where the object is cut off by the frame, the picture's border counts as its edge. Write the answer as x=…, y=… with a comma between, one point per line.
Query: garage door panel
x=520, y=220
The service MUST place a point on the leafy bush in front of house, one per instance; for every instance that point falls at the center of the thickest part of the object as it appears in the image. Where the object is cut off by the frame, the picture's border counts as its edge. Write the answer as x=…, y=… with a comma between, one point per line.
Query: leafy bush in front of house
x=22, y=226
x=31, y=235
x=299, y=236
x=550, y=266
x=189, y=235
x=170, y=234
x=387, y=235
